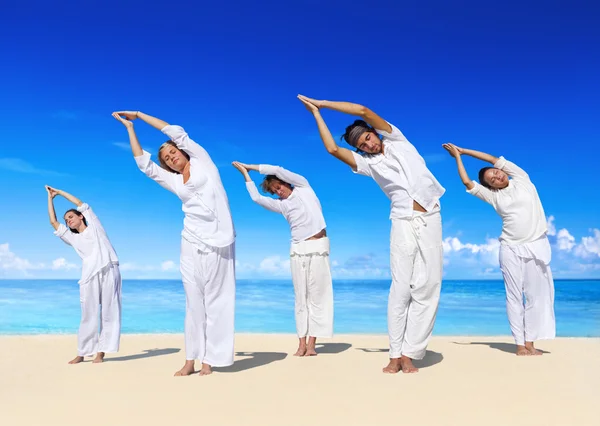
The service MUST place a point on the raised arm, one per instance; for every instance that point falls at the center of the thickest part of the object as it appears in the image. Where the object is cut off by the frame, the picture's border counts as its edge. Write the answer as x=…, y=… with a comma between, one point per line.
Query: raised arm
x=157, y=123
x=501, y=163
x=510, y=168
x=51, y=212
x=243, y=168
x=479, y=155
x=353, y=109
x=283, y=174
x=338, y=152
x=473, y=188
x=454, y=152
x=68, y=196
x=176, y=133
x=142, y=158
x=267, y=202
x=136, y=148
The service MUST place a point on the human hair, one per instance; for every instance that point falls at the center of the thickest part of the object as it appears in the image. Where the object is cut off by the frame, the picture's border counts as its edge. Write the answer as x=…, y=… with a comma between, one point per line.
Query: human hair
x=162, y=162
x=355, y=130
x=482, y=177
x=78, y=213
x=265, y=185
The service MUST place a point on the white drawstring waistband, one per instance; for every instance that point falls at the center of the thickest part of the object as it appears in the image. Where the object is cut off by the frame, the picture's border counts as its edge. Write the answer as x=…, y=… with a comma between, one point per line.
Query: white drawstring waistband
x=417, y=222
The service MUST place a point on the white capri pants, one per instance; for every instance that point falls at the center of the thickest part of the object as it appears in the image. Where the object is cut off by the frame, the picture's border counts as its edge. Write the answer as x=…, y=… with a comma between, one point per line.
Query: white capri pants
x=526, y=272
x=313, y=288
x=416, y=260
x=100, y=298
x=209, y=281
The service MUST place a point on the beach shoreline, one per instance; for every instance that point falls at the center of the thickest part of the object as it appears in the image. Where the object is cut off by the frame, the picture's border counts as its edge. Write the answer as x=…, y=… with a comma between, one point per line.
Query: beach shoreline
x=465, y=380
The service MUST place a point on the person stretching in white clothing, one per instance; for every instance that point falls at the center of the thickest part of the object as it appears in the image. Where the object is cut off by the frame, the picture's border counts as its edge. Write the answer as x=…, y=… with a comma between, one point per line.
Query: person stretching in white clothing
x=207, y=261
x=525, y=252
x=416, y=251
x=309, y=253
x=100, y=284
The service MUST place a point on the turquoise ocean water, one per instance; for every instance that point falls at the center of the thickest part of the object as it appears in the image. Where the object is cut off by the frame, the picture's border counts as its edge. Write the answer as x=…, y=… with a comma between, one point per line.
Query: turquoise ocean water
x=267, y=306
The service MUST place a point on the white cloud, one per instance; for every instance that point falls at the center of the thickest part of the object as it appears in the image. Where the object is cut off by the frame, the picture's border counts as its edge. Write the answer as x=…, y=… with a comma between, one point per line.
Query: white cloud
x=275, y=265
x=244, y=268
x=366, y=273
x=62, y=264
x=168, y=265
x=127, y=147
x=570, y=257
x=21, y=166
x=481, y=258
x=574, y=258
x=122, y=145
x=11, y=262
x=131, y=266
x=589, y=246
x=551, y=227
x=453, y=244
x=564, y=240
x=367, y=266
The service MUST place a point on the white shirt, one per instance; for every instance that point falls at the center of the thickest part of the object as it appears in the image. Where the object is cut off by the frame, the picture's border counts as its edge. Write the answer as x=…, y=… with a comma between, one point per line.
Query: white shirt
x=401, y=173
x=519, y=205
x=207, y=220
x=92, y=245
x=301, y=209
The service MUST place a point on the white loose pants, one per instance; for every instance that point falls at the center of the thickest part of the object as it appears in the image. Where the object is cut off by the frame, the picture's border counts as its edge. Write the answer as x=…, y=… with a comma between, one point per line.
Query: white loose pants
x=100, y=298
x=313, y=288
x=209, y=281
x=416, y=260
x=526, y=272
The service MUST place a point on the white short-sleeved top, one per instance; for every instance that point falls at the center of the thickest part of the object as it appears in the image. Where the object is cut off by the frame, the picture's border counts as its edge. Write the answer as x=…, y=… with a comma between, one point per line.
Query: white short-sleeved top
x=207, y=220
x=92, y=245
x=519, y=205
x=401, y=173
x=301, y=209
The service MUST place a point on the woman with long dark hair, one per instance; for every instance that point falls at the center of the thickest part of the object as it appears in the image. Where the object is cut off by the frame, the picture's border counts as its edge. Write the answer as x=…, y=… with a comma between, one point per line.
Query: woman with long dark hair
x=100, y=283
x=525, y=252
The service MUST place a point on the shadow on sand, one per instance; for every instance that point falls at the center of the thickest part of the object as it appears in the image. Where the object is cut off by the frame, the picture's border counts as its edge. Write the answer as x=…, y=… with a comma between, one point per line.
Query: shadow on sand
x=257, y=359
x=332, y=348
x=510, y=348
x=148, y=353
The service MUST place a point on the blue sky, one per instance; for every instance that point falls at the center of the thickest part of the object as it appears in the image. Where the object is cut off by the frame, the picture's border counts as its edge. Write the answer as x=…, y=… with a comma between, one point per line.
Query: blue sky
x=513, y=79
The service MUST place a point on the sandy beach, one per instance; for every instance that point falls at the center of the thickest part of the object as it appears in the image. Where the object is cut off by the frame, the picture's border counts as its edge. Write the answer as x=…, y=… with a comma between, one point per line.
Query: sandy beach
x=463, y=381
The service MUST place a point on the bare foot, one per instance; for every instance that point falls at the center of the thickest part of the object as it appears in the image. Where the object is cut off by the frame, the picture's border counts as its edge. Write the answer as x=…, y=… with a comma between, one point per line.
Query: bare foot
x=205, y=370
x=99, y=358
x=187, y=369
x=76, y=360
x=407, y=365
x=532, y=351
x=310, y=348
x=310, y=352
x=522, y=351
x=301, y=351
x=393, y=367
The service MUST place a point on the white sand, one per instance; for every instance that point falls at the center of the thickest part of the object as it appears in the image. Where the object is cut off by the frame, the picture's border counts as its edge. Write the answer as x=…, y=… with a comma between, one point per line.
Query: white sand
x=461, y=383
